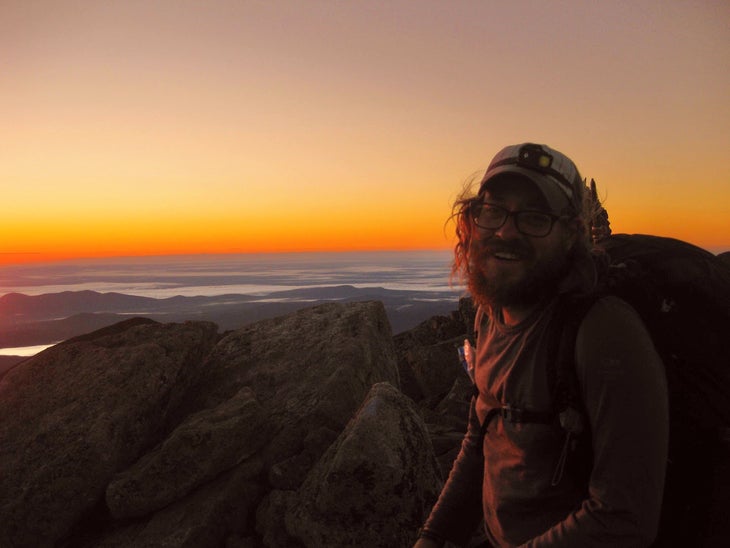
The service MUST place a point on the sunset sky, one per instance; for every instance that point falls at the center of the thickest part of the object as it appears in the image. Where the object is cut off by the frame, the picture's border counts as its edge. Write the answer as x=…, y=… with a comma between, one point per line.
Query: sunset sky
x=167, y=127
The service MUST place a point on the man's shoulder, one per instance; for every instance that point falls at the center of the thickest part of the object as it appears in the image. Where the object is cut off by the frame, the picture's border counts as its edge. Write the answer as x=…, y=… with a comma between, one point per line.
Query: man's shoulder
x=609, y=313
x=610, y=307
x=611, y=326
x=595, y=312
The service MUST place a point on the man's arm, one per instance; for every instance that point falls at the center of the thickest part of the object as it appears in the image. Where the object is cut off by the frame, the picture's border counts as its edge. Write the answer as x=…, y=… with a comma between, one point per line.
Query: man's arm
x=624, y=391
x=458, y=510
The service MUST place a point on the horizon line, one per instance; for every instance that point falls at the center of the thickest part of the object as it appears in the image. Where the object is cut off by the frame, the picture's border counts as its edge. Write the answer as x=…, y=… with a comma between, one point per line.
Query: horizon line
x=49, y=258
x=104, y=257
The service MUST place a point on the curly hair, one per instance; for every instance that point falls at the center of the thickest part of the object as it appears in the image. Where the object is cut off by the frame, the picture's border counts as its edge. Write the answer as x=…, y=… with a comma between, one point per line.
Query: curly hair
x=464, y=227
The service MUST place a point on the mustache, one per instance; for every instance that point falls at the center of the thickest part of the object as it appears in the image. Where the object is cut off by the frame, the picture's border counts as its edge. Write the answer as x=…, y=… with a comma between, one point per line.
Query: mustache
x=492, y=246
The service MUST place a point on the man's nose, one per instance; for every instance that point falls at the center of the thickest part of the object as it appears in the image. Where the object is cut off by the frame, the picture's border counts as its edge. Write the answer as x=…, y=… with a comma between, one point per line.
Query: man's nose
x=508, y=229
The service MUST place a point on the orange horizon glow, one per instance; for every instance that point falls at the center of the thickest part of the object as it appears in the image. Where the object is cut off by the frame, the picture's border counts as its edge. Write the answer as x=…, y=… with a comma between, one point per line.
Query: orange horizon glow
x=179, y=127
x=8, y=259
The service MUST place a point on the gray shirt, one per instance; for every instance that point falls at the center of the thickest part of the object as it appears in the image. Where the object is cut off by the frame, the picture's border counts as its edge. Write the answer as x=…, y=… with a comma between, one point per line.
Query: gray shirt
x=623, y=390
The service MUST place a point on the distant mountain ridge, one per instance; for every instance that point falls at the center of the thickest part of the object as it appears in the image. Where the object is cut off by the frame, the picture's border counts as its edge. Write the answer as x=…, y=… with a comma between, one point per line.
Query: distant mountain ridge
x=27, y=320
x=67, y=302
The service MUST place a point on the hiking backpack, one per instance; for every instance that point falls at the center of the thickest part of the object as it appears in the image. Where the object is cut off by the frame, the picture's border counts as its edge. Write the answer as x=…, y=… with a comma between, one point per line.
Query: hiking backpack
x=682, y=294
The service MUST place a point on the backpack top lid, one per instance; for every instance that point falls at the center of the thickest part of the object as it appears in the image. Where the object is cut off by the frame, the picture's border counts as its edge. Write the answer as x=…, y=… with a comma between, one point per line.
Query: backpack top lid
x=681, y=270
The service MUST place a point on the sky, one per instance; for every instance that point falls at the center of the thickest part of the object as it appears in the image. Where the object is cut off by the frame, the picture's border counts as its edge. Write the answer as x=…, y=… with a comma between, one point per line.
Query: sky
x=165, y=127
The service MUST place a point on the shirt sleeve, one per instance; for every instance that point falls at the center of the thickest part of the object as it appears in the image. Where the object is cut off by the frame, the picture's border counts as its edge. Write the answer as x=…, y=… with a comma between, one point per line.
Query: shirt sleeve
x=624, y=391
x=458, y=511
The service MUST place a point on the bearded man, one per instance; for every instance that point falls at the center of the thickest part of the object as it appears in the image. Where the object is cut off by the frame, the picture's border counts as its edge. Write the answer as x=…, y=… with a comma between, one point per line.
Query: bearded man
x=593, y=474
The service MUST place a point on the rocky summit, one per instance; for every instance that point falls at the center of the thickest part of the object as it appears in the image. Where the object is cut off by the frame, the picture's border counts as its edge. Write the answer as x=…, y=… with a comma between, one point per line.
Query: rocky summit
x=314, y=429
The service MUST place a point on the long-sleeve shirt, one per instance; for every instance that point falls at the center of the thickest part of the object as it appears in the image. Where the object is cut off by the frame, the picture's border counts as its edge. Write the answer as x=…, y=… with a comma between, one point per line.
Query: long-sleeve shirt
x=505, y=477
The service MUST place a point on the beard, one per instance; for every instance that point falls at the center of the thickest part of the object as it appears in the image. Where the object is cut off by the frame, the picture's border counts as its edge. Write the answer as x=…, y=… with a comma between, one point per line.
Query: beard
x=538, y=277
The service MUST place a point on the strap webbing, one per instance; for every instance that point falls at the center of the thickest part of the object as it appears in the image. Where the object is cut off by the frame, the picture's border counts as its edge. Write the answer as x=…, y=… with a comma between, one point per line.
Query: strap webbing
x=516, y=415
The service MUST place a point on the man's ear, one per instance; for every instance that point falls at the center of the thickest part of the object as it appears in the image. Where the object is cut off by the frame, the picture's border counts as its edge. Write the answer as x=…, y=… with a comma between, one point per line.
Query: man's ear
x=572, y=233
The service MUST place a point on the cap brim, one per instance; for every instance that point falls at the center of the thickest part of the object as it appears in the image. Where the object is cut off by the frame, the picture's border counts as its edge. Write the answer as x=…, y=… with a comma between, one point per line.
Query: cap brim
x=557, y=200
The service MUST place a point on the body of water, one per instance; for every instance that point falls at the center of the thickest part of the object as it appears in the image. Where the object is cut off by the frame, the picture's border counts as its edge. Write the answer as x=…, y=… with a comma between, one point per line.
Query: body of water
x=247, y=274
x=24, y=351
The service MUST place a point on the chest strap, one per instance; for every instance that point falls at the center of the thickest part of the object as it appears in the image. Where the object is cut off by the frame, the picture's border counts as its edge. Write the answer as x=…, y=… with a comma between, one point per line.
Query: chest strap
x=516, y=415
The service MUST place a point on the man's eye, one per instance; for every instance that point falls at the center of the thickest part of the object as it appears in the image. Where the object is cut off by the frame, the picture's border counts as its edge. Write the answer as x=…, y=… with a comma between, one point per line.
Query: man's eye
x=491, y=213
x=534, y=219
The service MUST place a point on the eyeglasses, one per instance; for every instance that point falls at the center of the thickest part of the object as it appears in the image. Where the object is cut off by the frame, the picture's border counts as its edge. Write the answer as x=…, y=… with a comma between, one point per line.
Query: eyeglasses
x=530, y=223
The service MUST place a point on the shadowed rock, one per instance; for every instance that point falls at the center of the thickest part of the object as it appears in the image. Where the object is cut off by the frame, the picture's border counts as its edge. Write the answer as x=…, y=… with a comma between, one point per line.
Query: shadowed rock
x=203, y=520
x=427, y=356
x=434, y=377
x=725, y=257
x=79, y=412
x=310, y=371
x=381, y=470
x=147, y=434
x=206, y=444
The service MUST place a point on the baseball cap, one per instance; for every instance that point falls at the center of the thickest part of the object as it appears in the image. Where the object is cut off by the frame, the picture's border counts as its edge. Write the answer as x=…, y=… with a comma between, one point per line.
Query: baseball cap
x=553, y=173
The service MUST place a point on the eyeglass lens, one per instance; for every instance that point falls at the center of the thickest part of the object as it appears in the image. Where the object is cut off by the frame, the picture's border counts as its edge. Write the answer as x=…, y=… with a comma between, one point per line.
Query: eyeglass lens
x=530, y=223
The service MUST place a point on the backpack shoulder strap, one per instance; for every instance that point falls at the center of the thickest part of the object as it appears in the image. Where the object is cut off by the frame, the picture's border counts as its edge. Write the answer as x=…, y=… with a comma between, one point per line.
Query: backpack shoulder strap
x=568, y=404
x=562, y=374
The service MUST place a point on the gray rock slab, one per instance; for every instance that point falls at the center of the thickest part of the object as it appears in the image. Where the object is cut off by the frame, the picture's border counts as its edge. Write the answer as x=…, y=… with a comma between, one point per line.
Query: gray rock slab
x=375, y=485
x=205, y=519
x=204, y=445
x=77, y=413
x=309, y=370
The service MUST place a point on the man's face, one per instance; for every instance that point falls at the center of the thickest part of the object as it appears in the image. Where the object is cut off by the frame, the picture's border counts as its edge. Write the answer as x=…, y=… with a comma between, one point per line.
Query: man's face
x=508, y=268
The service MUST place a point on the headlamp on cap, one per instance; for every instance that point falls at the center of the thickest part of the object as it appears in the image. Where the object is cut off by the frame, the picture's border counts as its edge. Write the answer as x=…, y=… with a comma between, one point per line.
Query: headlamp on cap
x=534, y=157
